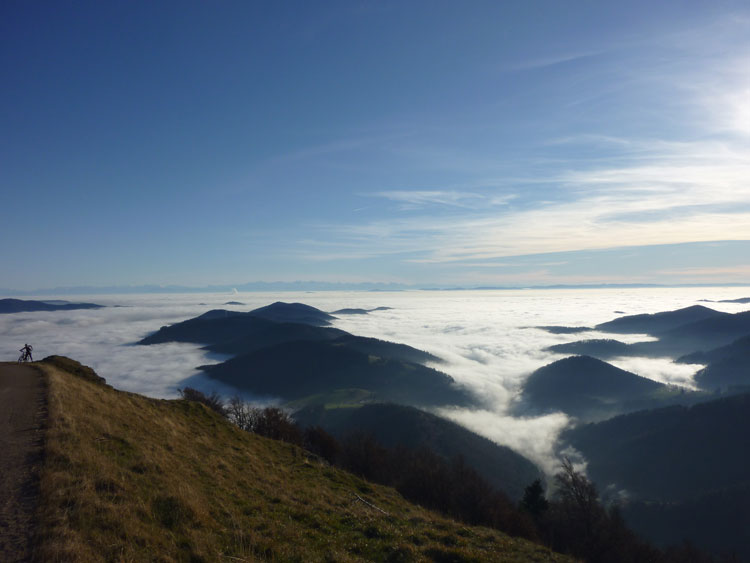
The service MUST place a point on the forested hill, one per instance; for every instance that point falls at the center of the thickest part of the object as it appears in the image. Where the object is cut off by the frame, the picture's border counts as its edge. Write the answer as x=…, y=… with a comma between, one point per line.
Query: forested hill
x=684, y=332
x=590, y=389
x=283, y=351
x=698, y=440
x=398, y=425
x=697, y=482
x=294, y=370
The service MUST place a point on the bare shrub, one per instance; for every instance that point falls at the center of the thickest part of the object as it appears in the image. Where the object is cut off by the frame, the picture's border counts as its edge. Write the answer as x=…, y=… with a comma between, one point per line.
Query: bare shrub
x=212, y=401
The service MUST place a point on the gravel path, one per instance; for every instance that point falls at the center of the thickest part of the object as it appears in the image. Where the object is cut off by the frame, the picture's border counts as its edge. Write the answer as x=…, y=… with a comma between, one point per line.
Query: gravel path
x=22, y=413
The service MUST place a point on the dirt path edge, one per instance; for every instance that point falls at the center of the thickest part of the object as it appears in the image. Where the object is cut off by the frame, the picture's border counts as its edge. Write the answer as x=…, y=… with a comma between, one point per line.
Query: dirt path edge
x=23, y=420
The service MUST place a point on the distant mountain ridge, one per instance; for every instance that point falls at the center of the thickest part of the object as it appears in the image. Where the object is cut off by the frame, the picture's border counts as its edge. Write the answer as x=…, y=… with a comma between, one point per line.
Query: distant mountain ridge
x=312, y=285
x=679, y=333
x=356, y=311
x=741, y=300
x=659, y=322
x=10, y=306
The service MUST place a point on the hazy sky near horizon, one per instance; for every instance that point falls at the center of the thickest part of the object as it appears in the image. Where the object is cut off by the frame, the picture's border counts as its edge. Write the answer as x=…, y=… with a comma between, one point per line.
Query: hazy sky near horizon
x=484, y=143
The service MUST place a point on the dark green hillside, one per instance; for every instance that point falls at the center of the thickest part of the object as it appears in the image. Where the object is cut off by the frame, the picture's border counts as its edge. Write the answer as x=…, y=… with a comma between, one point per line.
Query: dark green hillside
x=679, y=332
x=659, y=322
x=385, y=349
x=262, y=336
x=672, y=453
x=397, y=425
x=686, y=470
x=591, y=389
x=8, y=306
x=695, y=337
x=294, y=370
x=267, y=333
x=294, y=360
x=736, y=348
x=718, y=521
x=230, y=332
x=709, y=333
x=728, y=366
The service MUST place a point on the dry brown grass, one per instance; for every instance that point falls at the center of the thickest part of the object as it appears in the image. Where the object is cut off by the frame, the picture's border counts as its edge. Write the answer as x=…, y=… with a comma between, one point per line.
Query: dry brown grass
x=128, y=478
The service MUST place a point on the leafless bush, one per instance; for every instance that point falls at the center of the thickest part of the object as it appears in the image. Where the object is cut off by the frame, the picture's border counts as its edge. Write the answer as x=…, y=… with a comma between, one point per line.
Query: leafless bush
x=212, y=401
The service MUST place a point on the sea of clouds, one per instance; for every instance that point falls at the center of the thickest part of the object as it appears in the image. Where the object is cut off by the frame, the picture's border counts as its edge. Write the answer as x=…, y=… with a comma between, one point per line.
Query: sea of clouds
x=488, y=341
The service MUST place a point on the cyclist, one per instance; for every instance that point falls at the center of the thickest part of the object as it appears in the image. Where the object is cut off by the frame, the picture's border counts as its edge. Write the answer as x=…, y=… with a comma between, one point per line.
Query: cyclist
x=26, y=353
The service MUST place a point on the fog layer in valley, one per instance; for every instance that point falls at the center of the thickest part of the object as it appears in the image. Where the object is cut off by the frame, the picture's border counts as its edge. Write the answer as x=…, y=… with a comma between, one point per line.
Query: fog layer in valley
x=487, y=339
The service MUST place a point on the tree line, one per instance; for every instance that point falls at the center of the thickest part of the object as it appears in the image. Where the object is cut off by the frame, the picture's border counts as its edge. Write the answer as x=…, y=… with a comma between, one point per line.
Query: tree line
x=572, y=520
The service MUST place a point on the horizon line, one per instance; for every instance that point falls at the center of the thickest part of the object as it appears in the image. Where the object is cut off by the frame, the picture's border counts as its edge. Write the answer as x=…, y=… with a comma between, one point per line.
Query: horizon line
x=261, y=286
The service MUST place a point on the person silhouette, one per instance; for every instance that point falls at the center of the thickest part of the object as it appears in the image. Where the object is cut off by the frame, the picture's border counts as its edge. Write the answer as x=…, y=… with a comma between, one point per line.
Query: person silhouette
x=27, y=348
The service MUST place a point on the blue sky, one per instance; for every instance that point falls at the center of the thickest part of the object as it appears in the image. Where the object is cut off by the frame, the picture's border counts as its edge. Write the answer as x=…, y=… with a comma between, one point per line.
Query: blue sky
x=451, y=143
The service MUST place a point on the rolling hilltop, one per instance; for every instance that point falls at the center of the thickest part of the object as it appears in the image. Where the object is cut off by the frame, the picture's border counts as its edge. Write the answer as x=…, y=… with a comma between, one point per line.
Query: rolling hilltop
x=590, y=389
x=128, y=478
x=682, y=332
x=285, y=350
x=656, y=323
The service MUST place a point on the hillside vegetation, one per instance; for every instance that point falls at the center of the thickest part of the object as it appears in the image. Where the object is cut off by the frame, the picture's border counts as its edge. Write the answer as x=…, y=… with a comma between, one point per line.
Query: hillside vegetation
x=696, y=484
x=399, y=425
x=128, y=478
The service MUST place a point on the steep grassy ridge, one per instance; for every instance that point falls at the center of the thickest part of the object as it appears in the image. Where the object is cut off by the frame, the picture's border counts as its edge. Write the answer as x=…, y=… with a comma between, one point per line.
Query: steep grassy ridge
x=127, y=478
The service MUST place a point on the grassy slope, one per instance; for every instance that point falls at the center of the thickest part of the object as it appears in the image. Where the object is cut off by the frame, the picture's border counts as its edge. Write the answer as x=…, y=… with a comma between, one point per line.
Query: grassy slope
x=128, y=478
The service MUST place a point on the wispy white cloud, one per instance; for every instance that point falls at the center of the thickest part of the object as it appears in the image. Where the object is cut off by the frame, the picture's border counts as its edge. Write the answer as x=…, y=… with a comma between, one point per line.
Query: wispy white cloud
x=678, y=192
x=730, y=273
x=680, y=173
x=544, y=62
x=414, y=199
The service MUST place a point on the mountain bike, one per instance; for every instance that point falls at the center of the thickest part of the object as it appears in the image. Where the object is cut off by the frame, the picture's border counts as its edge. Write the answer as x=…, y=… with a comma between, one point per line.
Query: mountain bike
x=24, y=357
